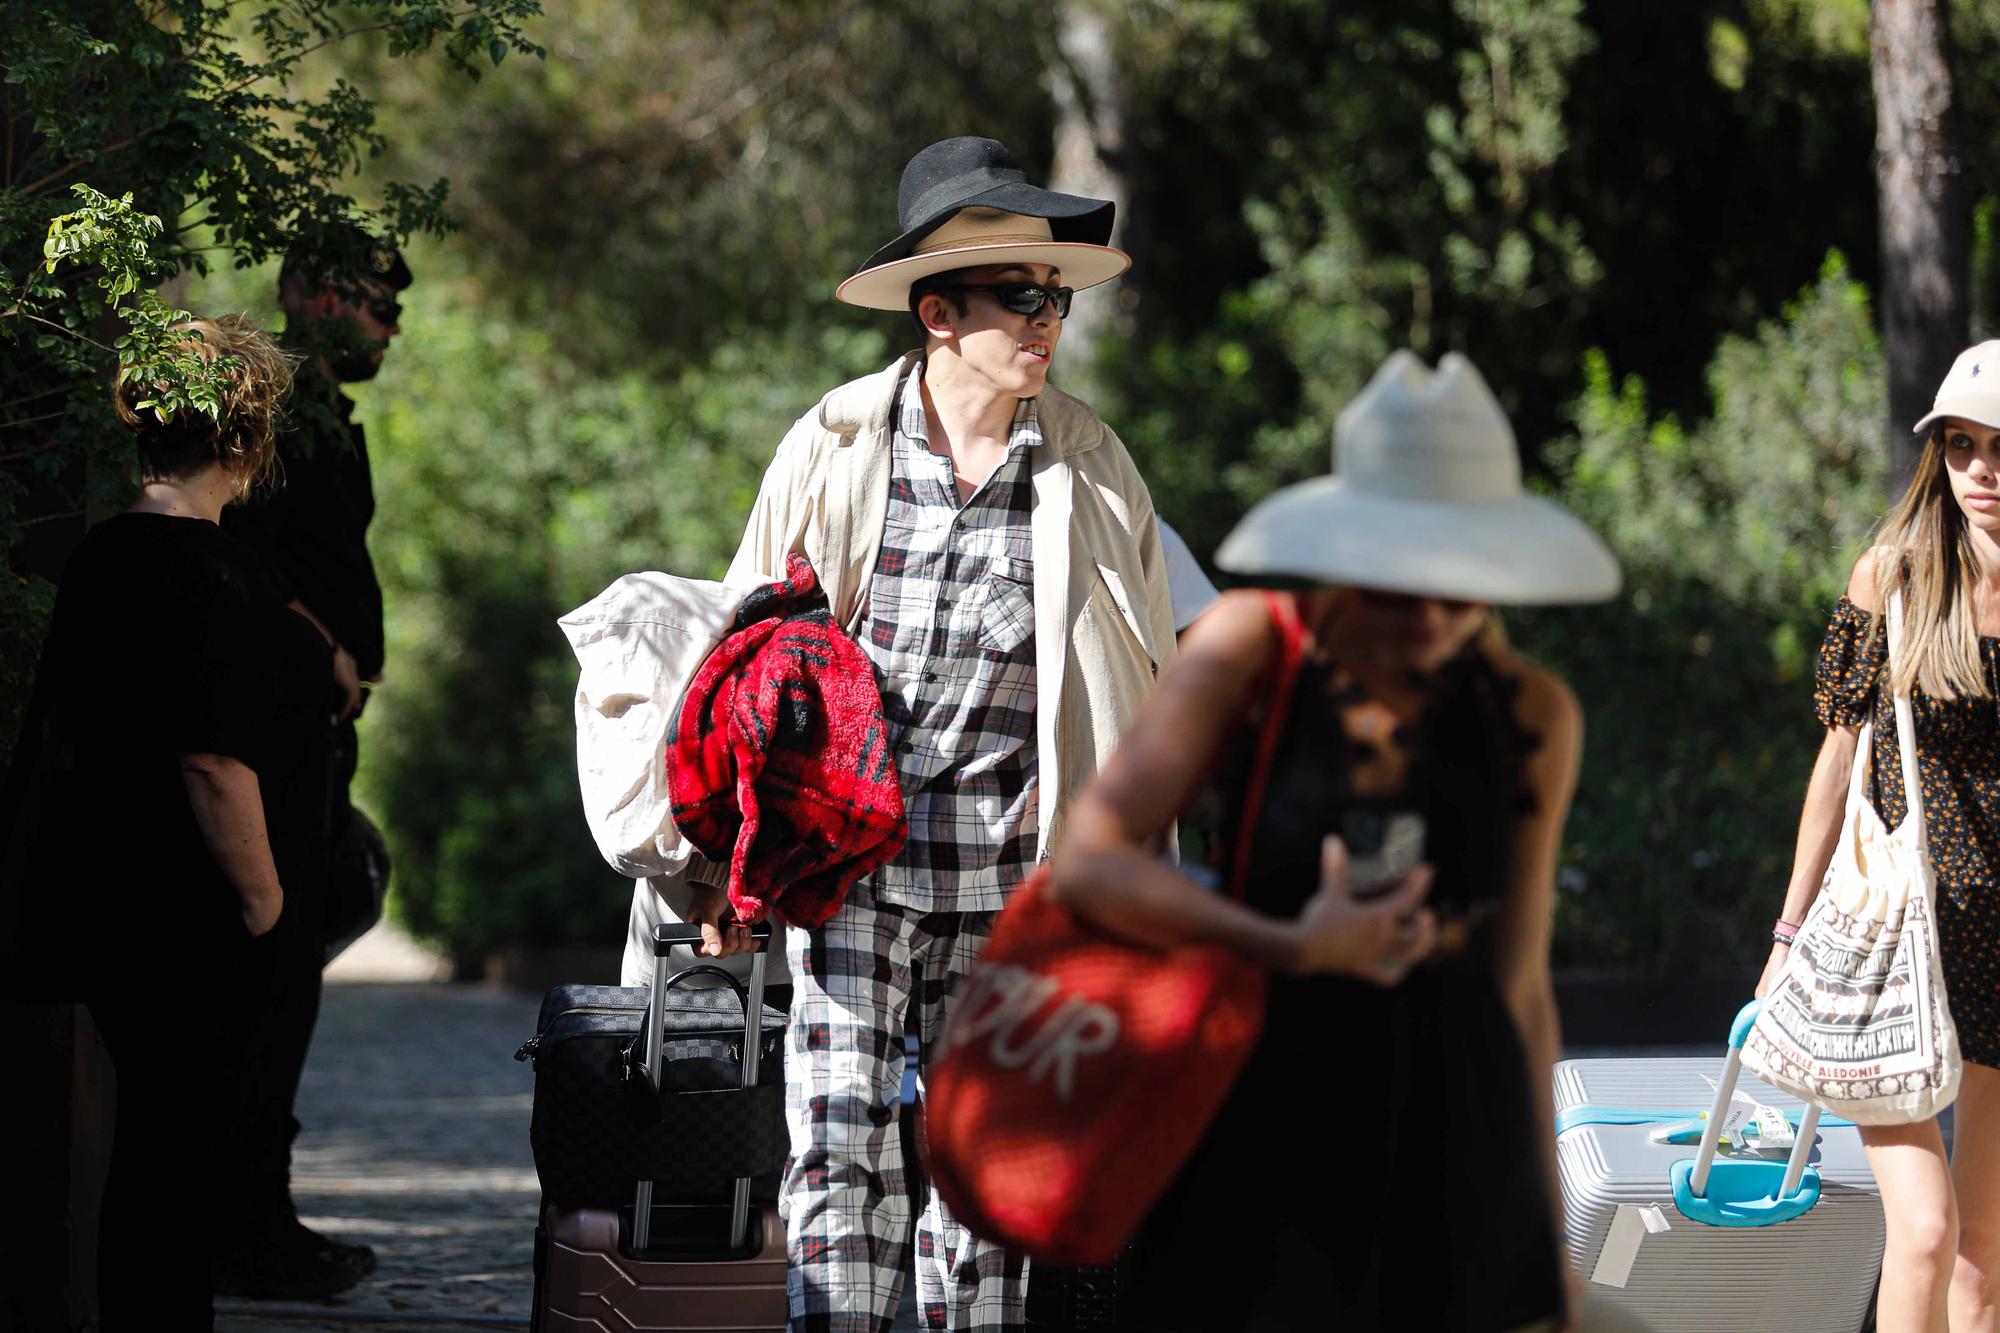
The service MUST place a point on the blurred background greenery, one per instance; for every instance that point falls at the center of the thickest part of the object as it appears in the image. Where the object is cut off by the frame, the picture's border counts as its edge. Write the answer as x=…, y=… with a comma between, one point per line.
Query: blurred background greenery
x=1653, y=227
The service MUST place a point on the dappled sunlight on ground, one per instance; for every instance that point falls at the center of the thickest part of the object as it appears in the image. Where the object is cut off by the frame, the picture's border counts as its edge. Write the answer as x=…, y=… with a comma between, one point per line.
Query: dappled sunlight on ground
x=415, y=1141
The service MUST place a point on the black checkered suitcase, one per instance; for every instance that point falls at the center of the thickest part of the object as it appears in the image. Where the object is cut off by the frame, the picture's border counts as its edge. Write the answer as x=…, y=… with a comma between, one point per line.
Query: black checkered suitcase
x=658, y=1174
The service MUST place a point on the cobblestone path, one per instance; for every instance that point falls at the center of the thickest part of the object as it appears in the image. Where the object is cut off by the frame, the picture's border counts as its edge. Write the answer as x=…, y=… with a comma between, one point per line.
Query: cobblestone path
x=415, y=1141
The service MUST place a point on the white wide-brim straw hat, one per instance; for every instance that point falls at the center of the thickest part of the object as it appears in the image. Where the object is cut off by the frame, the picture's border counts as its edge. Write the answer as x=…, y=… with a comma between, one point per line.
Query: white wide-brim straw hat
x=975, y=236
x=1971, y=391
x=1425, y=499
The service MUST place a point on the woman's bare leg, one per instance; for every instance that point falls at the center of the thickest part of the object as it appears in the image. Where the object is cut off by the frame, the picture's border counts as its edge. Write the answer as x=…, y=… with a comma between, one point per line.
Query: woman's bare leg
x=1922, y=1245
x=1975, y=1170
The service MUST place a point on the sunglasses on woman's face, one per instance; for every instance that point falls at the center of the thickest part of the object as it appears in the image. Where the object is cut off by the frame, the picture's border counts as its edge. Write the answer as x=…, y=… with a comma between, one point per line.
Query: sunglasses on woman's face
x=1023, y=298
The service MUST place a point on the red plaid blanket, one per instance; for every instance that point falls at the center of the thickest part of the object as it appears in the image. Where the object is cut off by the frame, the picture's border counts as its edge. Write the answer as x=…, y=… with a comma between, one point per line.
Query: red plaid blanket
x=779, y=761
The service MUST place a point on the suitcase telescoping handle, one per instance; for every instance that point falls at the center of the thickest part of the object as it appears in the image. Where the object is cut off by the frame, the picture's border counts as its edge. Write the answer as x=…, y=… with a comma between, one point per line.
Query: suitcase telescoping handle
x=666, y=935
x=1725, y=1088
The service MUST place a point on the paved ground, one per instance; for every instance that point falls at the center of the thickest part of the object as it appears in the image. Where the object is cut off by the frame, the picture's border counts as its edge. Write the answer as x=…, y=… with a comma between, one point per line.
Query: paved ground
x=416, y=1142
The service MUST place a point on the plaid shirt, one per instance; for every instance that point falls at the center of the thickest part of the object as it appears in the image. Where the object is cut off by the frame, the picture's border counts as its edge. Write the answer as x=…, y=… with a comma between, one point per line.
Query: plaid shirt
x=951, y=630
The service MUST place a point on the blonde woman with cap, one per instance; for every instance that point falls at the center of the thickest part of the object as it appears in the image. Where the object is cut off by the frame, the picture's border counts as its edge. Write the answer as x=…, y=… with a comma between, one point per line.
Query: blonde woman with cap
x=1939, y=549
x=1402, y=876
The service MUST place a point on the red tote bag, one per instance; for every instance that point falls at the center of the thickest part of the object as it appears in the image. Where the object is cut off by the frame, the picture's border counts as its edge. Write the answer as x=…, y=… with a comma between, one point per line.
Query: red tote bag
x=1080, y=1069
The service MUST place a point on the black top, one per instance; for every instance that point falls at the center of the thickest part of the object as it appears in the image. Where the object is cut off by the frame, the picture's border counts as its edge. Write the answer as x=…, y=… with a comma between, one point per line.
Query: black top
x=1376, y=1164
x=309, y=522
x=166, y=640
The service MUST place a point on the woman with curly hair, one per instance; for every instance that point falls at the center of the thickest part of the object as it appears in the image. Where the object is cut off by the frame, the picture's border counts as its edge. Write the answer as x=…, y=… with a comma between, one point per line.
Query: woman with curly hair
x=175, y=768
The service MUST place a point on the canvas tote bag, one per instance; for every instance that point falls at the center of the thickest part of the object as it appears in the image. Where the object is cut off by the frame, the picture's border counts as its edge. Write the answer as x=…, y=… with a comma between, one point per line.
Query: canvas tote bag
x=1858, y=1023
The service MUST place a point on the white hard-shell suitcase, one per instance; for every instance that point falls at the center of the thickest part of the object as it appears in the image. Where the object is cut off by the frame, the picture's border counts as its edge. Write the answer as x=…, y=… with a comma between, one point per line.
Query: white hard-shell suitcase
x=1775, y=1240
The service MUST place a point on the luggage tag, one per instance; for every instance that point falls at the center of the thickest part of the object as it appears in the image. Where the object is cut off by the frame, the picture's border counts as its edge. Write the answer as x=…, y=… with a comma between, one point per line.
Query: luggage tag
x=1751, y=1126
x=1742, y=1112
x=1772, y=1130
x=1629, y=1226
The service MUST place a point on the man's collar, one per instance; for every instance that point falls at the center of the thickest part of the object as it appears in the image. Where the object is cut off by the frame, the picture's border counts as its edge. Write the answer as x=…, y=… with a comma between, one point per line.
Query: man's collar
x=864, y=411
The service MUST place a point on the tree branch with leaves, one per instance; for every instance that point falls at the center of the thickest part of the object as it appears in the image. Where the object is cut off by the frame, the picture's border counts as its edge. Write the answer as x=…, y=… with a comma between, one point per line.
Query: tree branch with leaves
x=117, y=117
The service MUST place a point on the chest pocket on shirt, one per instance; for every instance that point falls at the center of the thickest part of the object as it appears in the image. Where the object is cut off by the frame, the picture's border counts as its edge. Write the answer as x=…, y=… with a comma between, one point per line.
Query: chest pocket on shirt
x=1007, y=611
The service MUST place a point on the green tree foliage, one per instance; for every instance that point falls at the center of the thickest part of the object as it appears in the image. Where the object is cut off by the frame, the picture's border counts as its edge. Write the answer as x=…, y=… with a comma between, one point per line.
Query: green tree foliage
x=685, y=174
x=129, y=130
x=1736, y=535
x=1518, y=181
x=1603, y=203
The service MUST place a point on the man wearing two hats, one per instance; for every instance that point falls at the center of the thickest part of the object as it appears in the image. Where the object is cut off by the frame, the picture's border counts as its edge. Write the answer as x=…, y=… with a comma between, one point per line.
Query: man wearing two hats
x=988, y=542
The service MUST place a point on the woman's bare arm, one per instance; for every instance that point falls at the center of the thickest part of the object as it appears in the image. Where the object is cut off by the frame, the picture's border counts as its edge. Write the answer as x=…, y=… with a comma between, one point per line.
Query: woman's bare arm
x=229, y=810
x=1826, y=797
x=1819, y=830
x=1527, y=916
x=1819, y=821
x=1105, y=869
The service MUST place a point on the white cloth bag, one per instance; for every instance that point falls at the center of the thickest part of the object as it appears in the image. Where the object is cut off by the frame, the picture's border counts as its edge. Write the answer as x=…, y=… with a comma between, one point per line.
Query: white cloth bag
x=638, y=644
x=1858, y=1022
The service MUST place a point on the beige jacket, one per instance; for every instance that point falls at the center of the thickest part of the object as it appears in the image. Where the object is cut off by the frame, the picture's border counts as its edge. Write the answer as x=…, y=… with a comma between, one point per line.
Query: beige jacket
x=1104, y=620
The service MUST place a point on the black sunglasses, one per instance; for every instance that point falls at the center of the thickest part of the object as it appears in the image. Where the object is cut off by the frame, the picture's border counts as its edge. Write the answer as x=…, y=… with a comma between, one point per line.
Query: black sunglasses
x=386, y=309
x=1023, y=298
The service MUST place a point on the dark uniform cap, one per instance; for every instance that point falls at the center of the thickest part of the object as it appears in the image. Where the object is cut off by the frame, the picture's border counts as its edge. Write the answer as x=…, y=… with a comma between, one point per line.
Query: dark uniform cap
x=326, y=252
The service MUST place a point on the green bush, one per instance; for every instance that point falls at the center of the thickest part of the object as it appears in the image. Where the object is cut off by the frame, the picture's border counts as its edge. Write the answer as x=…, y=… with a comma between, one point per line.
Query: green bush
x=1736, y=537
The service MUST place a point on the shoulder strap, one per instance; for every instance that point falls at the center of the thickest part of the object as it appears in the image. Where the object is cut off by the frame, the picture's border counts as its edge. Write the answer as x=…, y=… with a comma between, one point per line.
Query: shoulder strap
x=1906, y=723
x=1284, y=610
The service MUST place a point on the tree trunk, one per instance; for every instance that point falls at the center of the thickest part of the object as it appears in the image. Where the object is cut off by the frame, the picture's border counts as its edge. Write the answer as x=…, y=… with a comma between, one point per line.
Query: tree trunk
x=1090, y=134
x=1921, y=200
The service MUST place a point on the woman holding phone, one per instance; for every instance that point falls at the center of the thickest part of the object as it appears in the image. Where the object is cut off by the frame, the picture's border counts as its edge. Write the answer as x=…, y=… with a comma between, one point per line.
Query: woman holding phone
x=1403, y=866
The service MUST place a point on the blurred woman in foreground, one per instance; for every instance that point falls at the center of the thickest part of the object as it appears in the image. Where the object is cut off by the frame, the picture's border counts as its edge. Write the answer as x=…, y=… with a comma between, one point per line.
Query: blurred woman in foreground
x=174, y=740
x=1402, y=879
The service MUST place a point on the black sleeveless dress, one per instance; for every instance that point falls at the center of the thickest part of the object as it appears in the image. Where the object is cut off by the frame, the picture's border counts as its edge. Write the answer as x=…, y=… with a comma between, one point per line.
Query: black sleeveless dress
x=1376, y=1166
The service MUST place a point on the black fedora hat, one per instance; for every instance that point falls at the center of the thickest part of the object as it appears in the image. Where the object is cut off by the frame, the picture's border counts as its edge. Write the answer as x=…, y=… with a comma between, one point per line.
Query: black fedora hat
x=966, y=201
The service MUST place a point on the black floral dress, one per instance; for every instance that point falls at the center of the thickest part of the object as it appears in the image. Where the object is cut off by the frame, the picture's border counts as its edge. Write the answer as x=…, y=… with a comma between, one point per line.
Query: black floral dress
x=1958, y=761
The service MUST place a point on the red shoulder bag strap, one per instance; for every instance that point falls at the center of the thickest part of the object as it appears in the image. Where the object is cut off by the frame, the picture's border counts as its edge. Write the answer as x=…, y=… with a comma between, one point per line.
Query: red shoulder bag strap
x=1284, y=609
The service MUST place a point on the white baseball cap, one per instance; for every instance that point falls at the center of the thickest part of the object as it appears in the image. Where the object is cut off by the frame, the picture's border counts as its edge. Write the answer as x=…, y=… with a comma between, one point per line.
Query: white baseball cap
x=1971, y=390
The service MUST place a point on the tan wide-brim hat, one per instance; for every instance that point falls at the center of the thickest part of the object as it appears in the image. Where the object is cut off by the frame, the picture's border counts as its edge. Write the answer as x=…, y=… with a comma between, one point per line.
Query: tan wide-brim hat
x=1425, y=499
x=978, y=236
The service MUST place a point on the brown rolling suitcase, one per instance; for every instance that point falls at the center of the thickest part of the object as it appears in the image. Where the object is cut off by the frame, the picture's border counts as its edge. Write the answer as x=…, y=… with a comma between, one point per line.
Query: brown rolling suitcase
x=699, y=1265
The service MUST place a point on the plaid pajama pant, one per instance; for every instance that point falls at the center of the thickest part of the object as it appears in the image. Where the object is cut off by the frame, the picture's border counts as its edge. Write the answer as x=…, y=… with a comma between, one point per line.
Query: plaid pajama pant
x=871, y=972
